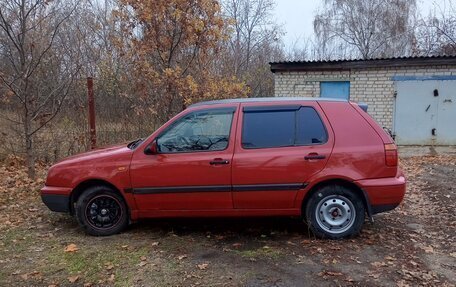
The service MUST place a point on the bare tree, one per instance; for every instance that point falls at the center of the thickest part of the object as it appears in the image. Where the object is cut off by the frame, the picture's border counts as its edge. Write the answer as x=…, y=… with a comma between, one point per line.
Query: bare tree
x=33, y=72
x=329, y=48
x=373, y=28
x=255, y=39
x=436, y=34
x=299, y=49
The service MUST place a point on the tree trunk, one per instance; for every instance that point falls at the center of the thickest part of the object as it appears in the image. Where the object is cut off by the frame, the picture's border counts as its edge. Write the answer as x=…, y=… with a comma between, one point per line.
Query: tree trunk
x=30, y=156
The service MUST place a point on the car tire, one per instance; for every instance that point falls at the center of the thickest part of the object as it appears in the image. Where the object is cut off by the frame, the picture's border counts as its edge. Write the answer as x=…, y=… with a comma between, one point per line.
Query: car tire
x=335, y=212
x=101, y=211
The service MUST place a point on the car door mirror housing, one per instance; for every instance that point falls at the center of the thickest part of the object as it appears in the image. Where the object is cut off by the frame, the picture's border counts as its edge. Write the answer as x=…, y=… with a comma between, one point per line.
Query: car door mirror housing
x=152, y=148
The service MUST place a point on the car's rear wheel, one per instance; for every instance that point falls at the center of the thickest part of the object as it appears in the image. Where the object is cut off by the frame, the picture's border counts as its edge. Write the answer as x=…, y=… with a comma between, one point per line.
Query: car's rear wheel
x=335, y=212
x=101, y=211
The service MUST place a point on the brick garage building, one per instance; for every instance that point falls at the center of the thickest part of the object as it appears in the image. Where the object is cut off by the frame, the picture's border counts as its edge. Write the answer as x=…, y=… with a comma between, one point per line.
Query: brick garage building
x=414, y=97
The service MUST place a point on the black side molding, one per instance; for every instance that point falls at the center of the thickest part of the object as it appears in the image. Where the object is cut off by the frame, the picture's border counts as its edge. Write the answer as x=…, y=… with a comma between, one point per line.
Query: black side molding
x=181, y=189
x=267, y=187
x=216, y=188
x=56, y=202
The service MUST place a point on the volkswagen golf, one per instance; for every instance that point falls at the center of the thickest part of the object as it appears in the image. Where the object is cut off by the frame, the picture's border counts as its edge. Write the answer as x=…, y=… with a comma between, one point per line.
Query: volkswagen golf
x=324, y=160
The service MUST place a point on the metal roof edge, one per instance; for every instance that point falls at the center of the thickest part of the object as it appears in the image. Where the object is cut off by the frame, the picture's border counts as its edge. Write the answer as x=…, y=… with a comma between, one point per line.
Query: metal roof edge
x=361, y=63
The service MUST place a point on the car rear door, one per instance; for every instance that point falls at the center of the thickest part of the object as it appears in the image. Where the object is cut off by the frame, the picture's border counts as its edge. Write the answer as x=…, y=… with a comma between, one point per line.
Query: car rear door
x=278, y=148
x=192, y=169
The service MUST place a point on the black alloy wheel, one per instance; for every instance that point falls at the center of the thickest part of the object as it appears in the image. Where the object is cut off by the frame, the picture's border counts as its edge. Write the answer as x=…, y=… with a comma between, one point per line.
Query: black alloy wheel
x=101, y=211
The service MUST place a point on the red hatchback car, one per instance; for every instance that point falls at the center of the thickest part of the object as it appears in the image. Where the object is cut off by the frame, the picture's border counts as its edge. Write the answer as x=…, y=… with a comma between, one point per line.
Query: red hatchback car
x=326, y=160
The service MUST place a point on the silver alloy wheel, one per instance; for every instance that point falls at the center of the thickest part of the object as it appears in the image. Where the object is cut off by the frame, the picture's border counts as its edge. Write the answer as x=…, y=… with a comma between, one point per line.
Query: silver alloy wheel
x=335, y=214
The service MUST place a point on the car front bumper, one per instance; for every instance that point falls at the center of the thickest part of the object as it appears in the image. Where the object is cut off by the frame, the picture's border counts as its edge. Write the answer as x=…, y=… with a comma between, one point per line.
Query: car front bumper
x=56, y=198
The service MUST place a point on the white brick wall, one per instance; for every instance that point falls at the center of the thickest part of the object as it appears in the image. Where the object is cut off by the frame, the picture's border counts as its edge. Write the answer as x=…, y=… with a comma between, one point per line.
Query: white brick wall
x=373, y=86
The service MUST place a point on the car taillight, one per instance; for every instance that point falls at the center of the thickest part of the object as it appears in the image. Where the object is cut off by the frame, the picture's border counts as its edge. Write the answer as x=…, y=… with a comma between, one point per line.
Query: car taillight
x=391, y=154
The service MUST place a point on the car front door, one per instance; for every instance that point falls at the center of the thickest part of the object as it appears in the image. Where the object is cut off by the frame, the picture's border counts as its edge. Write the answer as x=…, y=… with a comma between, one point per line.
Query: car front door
x=191, y=169
x=279, y=147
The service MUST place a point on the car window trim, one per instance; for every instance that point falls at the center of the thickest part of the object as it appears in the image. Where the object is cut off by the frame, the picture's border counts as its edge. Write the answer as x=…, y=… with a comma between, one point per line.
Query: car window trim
x=281, y=109
x=231, y=110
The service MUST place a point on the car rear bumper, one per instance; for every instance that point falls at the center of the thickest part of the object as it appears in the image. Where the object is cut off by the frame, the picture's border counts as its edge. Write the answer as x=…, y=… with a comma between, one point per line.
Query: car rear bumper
x=383, y=207
x=56, y=198
x=384, y=193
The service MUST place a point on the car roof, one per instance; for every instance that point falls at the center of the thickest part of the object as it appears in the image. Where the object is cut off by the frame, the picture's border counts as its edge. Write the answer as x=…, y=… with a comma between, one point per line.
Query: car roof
x=265, y=100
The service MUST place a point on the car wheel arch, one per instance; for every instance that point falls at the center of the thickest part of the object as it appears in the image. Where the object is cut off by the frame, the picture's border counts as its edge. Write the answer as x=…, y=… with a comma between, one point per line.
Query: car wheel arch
x=84, y=185
x=342, y=182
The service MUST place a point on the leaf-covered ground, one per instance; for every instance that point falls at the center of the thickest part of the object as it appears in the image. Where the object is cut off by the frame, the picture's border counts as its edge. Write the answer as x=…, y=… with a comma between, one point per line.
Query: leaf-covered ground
x=412, y=245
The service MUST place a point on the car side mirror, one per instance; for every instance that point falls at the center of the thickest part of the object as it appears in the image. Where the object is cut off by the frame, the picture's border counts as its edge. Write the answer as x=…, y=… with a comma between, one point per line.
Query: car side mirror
x=152, y=148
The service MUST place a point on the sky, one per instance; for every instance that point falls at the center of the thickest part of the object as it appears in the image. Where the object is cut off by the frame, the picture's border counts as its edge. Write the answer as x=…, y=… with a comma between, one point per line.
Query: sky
x=296, y=17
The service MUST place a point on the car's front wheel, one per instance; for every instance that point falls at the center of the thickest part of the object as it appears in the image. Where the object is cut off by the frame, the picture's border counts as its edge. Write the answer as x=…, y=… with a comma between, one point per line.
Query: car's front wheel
x=335, y=212
x=101, y=211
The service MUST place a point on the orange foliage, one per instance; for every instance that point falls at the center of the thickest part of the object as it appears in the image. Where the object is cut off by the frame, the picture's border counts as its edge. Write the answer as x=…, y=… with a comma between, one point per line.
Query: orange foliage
x=175, y=45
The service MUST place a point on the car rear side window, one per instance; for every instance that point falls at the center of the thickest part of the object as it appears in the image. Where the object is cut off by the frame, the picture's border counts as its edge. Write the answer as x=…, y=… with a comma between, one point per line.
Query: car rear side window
x=310, y=128
x=269, y=127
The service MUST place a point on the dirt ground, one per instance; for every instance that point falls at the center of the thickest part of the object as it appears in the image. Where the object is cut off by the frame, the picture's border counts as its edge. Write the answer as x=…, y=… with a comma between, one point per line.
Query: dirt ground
x=412, y=245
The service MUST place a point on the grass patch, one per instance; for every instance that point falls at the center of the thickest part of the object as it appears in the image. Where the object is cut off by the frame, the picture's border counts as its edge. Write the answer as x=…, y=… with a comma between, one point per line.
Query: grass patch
x=2, y=277
x=173, y=242
x=91, y=262
x=269, y=253
x=16, y=240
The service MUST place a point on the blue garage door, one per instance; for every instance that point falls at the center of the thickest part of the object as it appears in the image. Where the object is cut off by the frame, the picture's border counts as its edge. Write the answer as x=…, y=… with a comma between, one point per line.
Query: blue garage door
x=338, y=90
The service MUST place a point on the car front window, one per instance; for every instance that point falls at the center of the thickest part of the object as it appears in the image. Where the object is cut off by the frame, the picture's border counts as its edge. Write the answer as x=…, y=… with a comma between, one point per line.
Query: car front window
x=207, y=130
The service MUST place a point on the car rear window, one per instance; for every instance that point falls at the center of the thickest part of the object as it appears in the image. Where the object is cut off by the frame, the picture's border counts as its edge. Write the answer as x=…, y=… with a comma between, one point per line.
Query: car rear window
x=266, y=128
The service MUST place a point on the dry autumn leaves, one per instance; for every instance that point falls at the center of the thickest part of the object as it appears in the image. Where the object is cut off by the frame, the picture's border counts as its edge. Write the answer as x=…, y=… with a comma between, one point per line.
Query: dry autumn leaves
x=407, y=247
x=71, y=248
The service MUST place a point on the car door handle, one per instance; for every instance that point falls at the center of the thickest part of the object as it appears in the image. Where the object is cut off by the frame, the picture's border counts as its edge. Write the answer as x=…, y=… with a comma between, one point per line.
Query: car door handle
x=218, y=161
x=312, y=156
